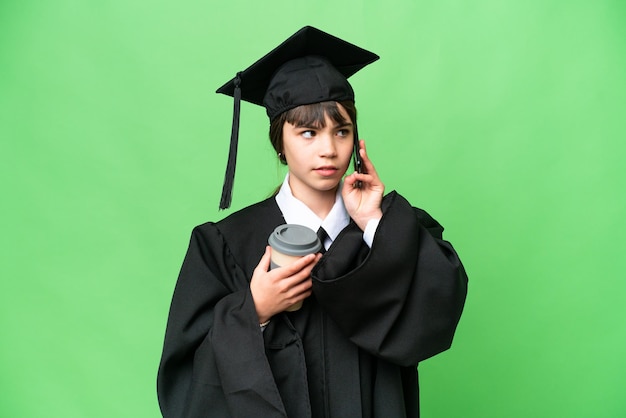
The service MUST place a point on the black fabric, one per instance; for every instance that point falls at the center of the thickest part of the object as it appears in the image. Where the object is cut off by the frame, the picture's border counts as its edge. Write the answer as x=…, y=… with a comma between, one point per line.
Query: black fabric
x=229, y=176
x=282, y=79
x=322, y=235
x=311, y=66
x=351, y=351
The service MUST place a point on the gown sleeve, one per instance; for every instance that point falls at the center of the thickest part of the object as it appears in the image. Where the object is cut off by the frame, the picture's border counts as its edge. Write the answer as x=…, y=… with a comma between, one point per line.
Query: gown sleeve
x=402, y=299
x=213, y=361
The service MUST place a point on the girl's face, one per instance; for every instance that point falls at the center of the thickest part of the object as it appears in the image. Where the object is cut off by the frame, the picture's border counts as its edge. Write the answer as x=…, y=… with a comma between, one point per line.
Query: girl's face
x=318, y=156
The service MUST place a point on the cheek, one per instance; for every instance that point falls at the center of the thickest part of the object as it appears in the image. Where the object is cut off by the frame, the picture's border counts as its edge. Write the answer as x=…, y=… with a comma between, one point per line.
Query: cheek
x=287, y=146
x=346, y=151
x=296, y=156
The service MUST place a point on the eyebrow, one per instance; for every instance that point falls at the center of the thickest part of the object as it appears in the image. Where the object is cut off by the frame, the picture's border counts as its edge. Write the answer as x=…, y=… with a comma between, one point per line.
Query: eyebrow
x=315, y=125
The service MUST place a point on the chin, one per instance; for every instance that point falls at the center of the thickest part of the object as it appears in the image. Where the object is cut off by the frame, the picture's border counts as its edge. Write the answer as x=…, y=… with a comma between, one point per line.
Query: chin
x=328, y=186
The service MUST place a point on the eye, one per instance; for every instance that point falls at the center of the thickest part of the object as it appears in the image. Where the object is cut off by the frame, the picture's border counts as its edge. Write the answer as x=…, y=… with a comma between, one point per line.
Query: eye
x=308, y=134
x=343, y=133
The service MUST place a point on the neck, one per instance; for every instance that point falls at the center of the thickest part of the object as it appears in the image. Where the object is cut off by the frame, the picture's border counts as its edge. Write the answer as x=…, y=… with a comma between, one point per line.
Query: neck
x=320, y=202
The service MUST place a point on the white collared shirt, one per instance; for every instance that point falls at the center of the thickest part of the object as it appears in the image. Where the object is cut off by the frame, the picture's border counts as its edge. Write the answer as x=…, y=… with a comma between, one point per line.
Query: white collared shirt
x=296, y=212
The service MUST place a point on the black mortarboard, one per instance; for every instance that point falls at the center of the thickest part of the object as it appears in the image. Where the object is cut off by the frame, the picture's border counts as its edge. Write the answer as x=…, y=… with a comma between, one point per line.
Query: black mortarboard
x=311, y=66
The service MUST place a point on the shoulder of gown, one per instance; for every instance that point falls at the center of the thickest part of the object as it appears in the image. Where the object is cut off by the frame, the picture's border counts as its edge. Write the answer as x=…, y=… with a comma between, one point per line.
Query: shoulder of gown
x=402, y=299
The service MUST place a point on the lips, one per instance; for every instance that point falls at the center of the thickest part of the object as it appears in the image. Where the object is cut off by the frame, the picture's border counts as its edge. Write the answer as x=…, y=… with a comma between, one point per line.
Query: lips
x=326, y=171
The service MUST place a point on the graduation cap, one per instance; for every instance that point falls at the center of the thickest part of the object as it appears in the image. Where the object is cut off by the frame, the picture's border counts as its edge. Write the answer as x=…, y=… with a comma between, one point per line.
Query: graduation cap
x=311, y=66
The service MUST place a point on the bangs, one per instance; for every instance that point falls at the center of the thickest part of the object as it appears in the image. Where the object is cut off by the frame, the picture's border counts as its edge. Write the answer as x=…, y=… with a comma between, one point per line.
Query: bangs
x=314, y=115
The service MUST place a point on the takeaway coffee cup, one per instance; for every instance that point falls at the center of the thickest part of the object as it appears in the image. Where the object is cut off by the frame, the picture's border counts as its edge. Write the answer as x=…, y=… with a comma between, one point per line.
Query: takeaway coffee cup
x=290, y=242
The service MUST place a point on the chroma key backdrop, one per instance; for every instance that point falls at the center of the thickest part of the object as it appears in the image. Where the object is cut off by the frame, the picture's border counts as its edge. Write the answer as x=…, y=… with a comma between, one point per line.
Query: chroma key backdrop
x=503, y=119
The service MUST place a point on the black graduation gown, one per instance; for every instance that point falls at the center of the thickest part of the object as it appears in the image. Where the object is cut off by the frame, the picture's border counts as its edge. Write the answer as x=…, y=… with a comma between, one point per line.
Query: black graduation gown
x=351, y=351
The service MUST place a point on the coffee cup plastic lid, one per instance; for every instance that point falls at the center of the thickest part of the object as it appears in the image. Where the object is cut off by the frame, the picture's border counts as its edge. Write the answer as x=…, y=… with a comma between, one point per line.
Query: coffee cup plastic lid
x=292, y=239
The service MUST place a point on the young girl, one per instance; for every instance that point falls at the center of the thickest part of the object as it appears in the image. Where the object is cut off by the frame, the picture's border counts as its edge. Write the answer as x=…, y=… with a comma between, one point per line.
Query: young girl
x=386, y=294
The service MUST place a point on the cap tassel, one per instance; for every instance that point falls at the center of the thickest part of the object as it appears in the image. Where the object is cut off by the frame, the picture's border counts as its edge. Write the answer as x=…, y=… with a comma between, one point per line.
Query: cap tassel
x=229, y=177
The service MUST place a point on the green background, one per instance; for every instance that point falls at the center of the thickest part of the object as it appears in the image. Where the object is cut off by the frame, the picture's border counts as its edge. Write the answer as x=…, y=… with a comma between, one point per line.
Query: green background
x=503, y=119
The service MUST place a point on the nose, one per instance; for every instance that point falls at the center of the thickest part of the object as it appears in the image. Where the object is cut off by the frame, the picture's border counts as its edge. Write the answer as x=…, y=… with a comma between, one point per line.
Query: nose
x=327, y=146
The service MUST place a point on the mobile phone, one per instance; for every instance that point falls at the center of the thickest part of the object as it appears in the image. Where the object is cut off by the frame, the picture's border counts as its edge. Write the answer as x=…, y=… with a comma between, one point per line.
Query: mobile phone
x=358, y=162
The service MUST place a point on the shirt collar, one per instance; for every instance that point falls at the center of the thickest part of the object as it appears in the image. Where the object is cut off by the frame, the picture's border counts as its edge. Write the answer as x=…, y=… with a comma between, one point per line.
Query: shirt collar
x=296, y=212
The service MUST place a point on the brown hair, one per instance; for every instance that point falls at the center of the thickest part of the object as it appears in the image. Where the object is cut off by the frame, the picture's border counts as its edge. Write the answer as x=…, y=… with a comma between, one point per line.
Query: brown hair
x=313, y=115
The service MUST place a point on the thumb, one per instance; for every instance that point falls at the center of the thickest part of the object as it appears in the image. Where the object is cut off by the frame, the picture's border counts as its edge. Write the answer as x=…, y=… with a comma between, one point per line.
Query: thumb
x=264, y=264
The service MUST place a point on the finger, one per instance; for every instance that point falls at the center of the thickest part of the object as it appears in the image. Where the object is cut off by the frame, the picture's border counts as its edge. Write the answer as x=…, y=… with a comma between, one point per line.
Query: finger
x=290, y=301
x=298, y=265
x=371, y=180
x=309, y=267
x=301, y=296
x=369, y=166
x=303, y=287
x=300, y=290
x=350, y=182
x=264, y=263
x=302, y=275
